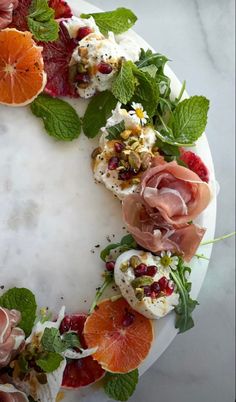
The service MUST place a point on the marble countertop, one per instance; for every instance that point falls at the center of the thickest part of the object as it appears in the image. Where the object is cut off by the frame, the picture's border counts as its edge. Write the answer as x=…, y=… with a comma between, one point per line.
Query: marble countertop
x=197, y=36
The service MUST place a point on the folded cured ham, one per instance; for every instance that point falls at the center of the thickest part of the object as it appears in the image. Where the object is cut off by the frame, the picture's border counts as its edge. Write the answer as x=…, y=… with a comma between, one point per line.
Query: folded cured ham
x=6, y=10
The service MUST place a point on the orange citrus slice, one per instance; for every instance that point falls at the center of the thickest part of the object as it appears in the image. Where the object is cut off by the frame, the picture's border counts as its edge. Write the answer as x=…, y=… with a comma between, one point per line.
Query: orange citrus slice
x=122, y=336
x=22, y=76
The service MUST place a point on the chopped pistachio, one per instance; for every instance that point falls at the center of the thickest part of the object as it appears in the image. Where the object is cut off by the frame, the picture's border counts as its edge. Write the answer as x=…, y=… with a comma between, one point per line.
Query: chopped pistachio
x=96, y=152
x=135, y=145
x=142, y=281
x=139, y=293
x=136, y=180
x=124, y=266
x=134, y=161
x=125, y=134
x=146, y=159
x=42, y=378
x=134, y=261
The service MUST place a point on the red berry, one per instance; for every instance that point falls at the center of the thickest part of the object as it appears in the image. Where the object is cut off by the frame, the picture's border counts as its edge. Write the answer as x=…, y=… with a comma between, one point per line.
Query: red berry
x=104, y=68
x=170, y=288
x=82, y=32
x=163, y=283
x=82, y=78
x=140, y=270
x=128, y=319
x=195, y=164
x=113, y=163
x=125, y=175
x=151, y=270
x=110, y=265
x=119, y=147
x=155, y=287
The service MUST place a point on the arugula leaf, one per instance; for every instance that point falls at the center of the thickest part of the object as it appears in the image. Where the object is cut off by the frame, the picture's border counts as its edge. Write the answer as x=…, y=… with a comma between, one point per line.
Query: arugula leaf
x=189, y=120
x=23, y=300
x=148, y=58
x=108, y=279
x=184, y=320
x=124, y=85
x=117, y=21
x=60, y=119
x=41, y=21
x=115, y=131
x=121, y=386
x=49, y=362
x=146, y=92
x=127, y=243
x=97, y=113
x=151, y=70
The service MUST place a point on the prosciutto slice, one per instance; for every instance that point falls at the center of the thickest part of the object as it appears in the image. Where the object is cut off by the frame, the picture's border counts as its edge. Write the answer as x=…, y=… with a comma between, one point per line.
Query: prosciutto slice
x=153, y=233
x=176, y=192
x=11, y=337
x=8, y=393
x=6, y=10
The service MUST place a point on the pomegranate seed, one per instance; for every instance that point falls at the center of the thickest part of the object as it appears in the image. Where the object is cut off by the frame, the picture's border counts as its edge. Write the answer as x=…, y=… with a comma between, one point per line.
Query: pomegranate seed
x=113, y=163
x=153, y=295
x=170, y=288
x=104, y=68
x=155, y=287
x=125, y=175
x=147, y=291
x=163, y=283
x=128, y=319
x=82, y=77
x=82, y=32
x=65, y=325
x=119, y=147
x=110, y=265
x=151, y=270
x=140, y=270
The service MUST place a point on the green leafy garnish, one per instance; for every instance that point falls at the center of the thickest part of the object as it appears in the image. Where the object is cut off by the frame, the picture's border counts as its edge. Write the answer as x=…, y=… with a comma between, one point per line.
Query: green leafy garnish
x=115, y=131
x=146, y=92
x=184, y=309
x=148, y=58
x=97, y=113
x=108, y=279
x=60, y=119
x=124, y=85
x=127, y=243
x=121, y=386
x=23, y=300
x=52, y=341
x=49, y=362
x=41, y=21
x=117, y=21
x=151, y=70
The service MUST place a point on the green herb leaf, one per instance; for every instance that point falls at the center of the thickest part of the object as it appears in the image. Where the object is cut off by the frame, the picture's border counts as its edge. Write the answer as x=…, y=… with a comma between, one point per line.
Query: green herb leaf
x=117, y=21
x=71, y=340
x=109, y=277
x=124, y=85
x=41, y=21
x=167, y=149
x=184, y=320
x=60, y=119
x=52, y=341
x=189, y=120
x=97, y=113
x=23, y=300
x=151, y=70
x=127, y=243
x=115, y=131
x=146, y=92
x=49, y=362
x=148, y=58
x=121, y=386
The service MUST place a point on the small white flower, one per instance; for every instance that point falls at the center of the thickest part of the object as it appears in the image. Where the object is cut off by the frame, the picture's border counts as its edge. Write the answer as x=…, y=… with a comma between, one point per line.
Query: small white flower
x=167, y=260
x=138, y=114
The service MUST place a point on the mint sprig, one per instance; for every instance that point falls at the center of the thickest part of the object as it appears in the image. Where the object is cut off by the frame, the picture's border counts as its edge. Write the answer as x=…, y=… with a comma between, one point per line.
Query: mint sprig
x=117, y=21
x=52, y=341
x=23, y=300
x=184, y=309
x=60, y=119
x=124, y=85
x=49, y=361
x=115, y=131
x=121, y=386
x=41, y=21
x=97, y=113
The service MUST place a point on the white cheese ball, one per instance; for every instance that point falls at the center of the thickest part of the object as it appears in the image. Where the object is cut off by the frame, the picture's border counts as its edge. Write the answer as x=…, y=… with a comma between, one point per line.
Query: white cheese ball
x=150, y=308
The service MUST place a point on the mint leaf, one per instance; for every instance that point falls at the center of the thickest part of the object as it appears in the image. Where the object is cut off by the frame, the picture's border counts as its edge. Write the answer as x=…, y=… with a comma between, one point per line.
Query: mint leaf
x=117, y=21
x=124, y=85
x=167, y=149
x=60, y=119
x=189, y=119
x=23, y=300
x=146, y=92
x=115, y=131
x=151, y=70
x=41, y=21
x=121, y=386
x=52, y=341
x=71, y=340
x=184, y=320
x=97, y=113
x=127, y=243
x=49, y=362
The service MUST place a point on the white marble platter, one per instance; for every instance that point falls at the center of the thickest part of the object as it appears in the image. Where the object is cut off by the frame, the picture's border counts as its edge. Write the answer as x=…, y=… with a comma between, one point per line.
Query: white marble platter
x=52, y=215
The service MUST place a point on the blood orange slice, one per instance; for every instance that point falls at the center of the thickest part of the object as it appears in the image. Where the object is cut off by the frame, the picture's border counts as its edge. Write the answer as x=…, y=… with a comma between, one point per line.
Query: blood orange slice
x=22, y=75
x=82, y=372
x=123, y=336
